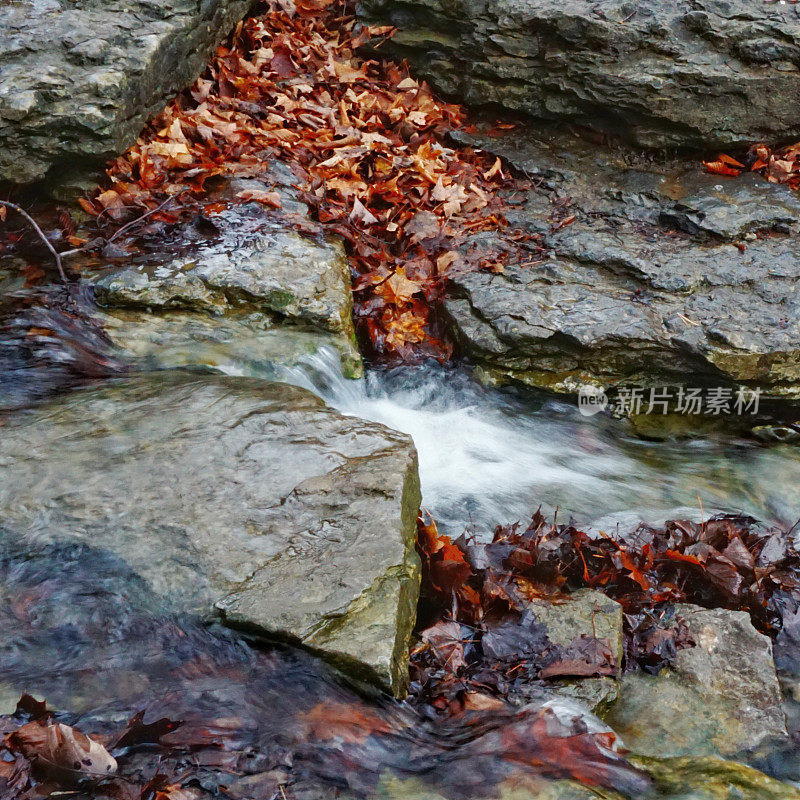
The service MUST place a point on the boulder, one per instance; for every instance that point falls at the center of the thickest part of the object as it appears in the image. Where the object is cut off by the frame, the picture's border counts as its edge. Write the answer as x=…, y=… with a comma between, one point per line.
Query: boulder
x=677, y=72
x=719, y=698
x=78, y=81
x=234, y=499
x=658, y=274
x=251, y=297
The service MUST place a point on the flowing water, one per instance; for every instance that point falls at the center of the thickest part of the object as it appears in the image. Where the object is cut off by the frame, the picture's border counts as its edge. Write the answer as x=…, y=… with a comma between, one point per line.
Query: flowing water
x=76, y=627
x=490, y=456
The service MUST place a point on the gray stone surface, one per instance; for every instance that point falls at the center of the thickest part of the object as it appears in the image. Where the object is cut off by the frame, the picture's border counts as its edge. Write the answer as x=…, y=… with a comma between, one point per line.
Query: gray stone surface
x=249, y=299
x=664, y=274
x=78, y=81
x=675, y=72
x=588, y=614
x=231, y=497
x=720, y=697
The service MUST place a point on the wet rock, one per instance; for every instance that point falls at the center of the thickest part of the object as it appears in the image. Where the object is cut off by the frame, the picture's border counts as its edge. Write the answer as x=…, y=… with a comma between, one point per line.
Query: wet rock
x=707, y=778
x=78, y=81
x=254, y=296
x=233, y=498
x=248, y=344
x=586, y=614
x=652, y=281
x=393, y=788
x=720, y=697
x=675, y=779
x=673, y=73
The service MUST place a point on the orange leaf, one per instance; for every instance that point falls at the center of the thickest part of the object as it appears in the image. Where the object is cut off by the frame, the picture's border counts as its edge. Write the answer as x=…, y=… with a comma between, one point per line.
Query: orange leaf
x=731, y=162
x=398, y=288
x=271, y=199
x=721, y=168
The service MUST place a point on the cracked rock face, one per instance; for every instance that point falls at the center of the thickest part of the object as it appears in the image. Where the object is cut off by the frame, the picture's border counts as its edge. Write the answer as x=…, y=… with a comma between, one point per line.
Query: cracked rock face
x=720, y=697
x=78, y=81
x=663, y=273
x=676, y=72
x=234, y=498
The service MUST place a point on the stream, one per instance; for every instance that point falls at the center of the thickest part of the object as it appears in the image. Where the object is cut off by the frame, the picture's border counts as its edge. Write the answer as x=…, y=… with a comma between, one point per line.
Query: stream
x=80, y=631
x=491, y=456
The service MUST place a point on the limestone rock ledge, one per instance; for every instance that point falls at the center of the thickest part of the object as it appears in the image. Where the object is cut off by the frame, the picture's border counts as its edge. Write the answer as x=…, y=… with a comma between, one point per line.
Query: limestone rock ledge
x=78, y=81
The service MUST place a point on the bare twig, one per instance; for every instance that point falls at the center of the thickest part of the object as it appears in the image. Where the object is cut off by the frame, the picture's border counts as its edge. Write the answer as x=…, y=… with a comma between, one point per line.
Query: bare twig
x=146, y=214
x=32, y=222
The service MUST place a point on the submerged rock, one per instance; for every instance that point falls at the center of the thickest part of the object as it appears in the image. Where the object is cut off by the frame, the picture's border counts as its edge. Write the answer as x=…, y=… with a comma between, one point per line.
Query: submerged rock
x=231, y=497
x=674, y=779
x=659, y=274
x=707, y=778
x=78, y=81
x=698, y=73
x=720, y=697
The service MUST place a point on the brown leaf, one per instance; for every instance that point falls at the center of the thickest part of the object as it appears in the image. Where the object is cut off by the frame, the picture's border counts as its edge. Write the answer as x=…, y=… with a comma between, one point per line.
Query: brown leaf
x=271, y=199
x=351, y=723
x=60, y=752
x=423, y=225
x=35, y=709
x=137, y=732
x=445, y=638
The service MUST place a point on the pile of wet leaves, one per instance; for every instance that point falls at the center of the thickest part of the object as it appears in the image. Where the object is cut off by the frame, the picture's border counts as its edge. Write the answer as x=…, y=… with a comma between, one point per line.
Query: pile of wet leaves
x=776, y=164
x=479, y=632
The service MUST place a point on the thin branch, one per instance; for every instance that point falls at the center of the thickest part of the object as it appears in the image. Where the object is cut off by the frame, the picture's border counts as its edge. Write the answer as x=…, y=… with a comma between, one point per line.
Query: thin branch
x=146, y=215
x=32, y=222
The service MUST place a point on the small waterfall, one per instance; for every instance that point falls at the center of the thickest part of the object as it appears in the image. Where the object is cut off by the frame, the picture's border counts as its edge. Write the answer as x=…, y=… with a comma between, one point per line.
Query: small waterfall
x=490, y=456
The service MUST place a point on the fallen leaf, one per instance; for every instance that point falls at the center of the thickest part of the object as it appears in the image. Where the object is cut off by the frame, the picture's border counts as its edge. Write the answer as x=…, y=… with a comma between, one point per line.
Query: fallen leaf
x=720, y=167
x=271, y=199
x=445, y=637
x=496, y=169
x=60, y=752
x=360, y=213
x=138, y=732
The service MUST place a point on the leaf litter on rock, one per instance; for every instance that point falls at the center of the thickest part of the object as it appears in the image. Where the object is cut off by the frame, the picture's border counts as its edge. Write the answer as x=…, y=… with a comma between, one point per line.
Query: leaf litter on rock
x=484, y=589
x=367, y=143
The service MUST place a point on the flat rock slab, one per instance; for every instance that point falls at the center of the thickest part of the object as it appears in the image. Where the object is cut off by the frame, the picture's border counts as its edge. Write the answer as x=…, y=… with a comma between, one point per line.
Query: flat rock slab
x=720, y=697
x=232, y=497
x=250, y=298
x=675, y=72
x=661, y=274
x=78, y=81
